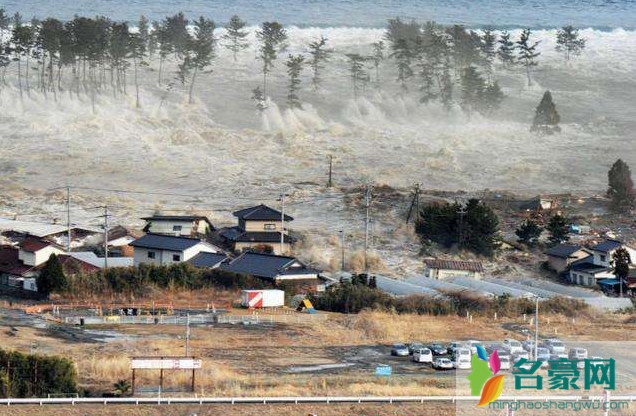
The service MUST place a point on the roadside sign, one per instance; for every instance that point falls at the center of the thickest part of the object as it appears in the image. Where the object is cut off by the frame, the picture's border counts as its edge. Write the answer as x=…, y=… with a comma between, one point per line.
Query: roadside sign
x=383, y=370
x=166, y=363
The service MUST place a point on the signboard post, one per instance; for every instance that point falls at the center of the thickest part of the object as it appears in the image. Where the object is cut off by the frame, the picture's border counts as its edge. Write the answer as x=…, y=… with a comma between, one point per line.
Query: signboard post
x=164, y=363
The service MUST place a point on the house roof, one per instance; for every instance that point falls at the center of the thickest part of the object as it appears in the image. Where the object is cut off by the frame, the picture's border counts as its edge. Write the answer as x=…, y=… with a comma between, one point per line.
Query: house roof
x=607, y=246
x=261, y=212
x=206, y=260
x=563, y=250
x=10, y=263
x=34, y=244
x=588, y=267
x=472, y=266
x=70, y=263
x=37, y=229
x=176, y=218
x=266, y=265
x=165, y=242
x=262, y=237
x=121, y=231
x=91, y=258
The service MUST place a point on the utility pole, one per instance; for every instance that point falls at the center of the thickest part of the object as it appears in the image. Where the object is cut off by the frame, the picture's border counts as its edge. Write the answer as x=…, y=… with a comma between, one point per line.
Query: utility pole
x=536, y=328
x=367, y=202
x=68, y=218
x=187, y=353
x=282, y=223
x=417, y=201
x=342, y=246
x=105, y=238
x=330, y=183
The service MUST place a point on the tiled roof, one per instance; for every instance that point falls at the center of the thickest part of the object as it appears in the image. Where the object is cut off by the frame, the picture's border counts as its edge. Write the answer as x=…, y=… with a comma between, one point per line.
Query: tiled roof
x=473, y=266
x=34, y=244
x=261, y=212
x=563, y=250
x=10, y=263
x=265, y=265
x=206, y=260
x=607, y=246
x=165, y=242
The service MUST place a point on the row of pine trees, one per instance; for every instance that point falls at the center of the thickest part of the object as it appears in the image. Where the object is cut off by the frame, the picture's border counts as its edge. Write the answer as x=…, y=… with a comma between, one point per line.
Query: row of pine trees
x=89, y=56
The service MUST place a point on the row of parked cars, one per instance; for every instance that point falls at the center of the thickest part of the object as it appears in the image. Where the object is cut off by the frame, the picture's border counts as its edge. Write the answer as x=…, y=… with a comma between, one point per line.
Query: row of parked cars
x=457, y=355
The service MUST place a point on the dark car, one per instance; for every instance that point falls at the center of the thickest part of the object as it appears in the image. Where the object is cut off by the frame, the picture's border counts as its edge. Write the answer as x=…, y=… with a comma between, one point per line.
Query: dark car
x=438, y=349
x=415, y=346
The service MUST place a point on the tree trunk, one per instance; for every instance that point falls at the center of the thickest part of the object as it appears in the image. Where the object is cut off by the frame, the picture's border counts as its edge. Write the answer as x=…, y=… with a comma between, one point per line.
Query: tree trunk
x=26, y=76
x=20, y=78
x=136, y=84
x=528, y=75
x=160, y=68
x=194, y=75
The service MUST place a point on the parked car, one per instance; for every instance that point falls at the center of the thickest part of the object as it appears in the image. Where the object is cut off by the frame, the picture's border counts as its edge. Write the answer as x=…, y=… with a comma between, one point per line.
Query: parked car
x=442, y=364
x=555, y=356
x=523, y=354
x=414, y=346
x=577, y=354
x=400, y=350
x=461, y=364
x=554, y=345
x=543, y=354
x=438, y=349
x=500, y=347
x=423, y=355
x=528, y=345
x=513, y=345
x=461, y=354
x=454, y=345
x=472, y=344
x=505, y=363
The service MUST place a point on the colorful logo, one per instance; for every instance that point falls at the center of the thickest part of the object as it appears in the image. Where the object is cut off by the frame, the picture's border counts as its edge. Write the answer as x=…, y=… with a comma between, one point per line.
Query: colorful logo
x=484, y=381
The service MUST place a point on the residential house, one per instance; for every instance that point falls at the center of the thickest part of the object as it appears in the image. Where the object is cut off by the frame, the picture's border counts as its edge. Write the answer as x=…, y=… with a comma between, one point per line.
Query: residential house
x=162, y=250
x=441, y=269
x=119, y=239
x=540, y=203
x=604, y=251
x=88, y=258
x=18, y=231
x=259, y=228
x=585, y=272
x=561, y=256
x=179, y=225
x=206, y=260
x=276, y=269
x=20, y=266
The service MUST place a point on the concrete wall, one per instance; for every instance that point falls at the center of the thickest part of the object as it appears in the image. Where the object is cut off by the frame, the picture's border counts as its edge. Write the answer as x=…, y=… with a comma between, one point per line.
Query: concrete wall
x=272, y=226
x=188, y=228
x=444, y=273
x=165, y=257
x=39, y=257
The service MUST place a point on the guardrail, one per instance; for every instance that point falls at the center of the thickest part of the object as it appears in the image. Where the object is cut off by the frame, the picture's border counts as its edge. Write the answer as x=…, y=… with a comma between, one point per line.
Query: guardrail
x=288, y=400
x=194, y=319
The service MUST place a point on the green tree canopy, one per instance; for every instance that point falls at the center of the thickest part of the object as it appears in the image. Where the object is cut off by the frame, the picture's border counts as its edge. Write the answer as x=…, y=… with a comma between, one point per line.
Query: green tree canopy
x=559, y=229
x=621, y=186
x=51, y=278
x=546, y=117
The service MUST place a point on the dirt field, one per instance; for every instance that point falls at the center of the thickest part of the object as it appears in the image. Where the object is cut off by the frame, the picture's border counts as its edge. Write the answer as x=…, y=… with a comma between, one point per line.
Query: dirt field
x=333, y=356
x=238, y=410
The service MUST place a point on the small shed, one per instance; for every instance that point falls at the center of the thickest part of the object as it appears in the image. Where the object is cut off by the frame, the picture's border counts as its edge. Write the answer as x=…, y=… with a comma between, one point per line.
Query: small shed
x=262, y=298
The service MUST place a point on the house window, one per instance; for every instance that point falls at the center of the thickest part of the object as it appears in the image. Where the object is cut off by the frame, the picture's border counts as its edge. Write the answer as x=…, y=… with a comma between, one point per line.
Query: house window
x=151, y=254
x=176, y=228
x=602, y=257
x=269, y=226
x=176, y=257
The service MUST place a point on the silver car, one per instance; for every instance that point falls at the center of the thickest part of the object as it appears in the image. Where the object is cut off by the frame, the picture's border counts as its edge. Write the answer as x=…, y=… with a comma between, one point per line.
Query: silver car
x=400, y=350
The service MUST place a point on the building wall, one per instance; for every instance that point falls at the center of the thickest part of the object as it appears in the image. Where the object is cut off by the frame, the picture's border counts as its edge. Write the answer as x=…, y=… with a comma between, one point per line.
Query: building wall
x=605, y=259
x=242, y=246
x=39, y=257
x=559, y=264
x=444, y=273
x=165, y=257
x=272, y=226
x=188, y=228
x=586, y=279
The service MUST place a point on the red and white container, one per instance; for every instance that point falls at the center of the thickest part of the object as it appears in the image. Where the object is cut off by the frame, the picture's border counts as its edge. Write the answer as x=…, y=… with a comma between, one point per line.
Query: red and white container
x=262, y=298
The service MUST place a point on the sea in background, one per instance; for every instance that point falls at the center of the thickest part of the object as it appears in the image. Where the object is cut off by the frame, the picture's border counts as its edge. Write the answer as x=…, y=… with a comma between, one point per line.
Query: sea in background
x=535, y=14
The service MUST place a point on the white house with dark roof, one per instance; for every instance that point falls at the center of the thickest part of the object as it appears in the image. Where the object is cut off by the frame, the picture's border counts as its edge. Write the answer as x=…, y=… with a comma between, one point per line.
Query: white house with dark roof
x=162, y=250
x=178, y=225
x=441, y=269
x=604, y=251
x=259, y=227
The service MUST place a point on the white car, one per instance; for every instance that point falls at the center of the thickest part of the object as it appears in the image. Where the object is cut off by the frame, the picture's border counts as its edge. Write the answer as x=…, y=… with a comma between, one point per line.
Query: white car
x=505, y=363
x=513, y=345
x=554, y=345
x=472, y=344
x=442, y=364
x=519, y=355
x=462, y=364
x=462, y=353
x=577, y=354
x=423, y=355
x=528, y=345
